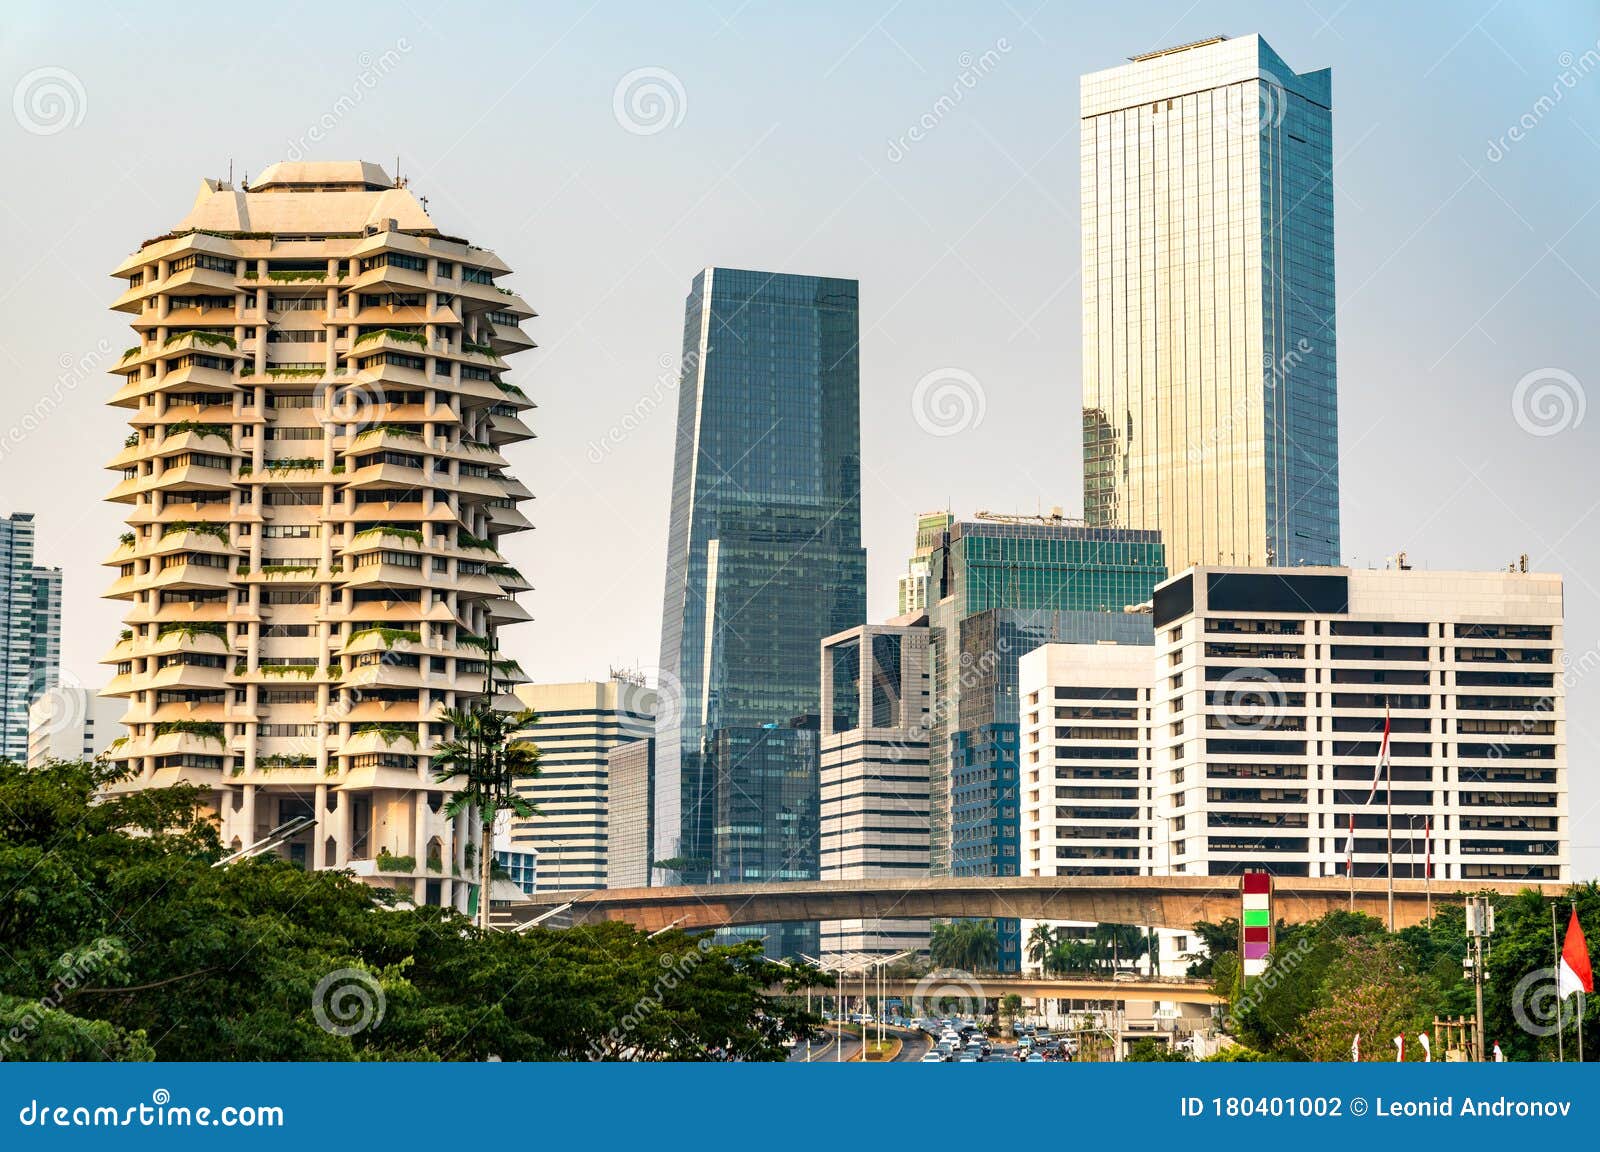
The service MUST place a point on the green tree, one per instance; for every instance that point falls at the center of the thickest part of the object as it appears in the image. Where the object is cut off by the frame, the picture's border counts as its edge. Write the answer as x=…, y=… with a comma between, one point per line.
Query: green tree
x=484, y=756
x=1148, y=1050
x=1041, y=945
x=123, y=942
x=967, y=945
x=1371, y=989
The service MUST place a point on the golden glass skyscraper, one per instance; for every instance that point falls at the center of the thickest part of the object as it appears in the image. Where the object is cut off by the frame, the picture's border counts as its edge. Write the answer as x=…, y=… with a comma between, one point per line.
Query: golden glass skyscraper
x=1210, y=408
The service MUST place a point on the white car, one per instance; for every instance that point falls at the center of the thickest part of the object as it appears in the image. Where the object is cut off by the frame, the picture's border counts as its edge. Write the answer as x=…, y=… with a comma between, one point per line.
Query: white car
x=931, y=1057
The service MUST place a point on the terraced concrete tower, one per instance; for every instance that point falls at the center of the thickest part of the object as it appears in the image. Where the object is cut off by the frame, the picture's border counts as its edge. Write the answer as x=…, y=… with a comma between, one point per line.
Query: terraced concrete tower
x=316, y=493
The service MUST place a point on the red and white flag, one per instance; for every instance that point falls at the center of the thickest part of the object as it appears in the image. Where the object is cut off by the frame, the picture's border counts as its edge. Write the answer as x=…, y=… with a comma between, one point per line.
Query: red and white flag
x=1499, y=1056
x=1427, y=1048
x=1400, y=1048
x=1383, y=757
x=1355, y=1049
x=1575, y=974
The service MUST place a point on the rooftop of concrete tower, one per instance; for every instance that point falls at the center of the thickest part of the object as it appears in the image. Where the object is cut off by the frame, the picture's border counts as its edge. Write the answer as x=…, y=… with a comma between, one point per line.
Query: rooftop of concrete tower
x=312, y=175
x=308, y=197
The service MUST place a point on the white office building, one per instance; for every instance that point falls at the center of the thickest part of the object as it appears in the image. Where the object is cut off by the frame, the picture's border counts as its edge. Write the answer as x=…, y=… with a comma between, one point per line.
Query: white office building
x=874, y=751
x=1269, y=700
x=70, y=722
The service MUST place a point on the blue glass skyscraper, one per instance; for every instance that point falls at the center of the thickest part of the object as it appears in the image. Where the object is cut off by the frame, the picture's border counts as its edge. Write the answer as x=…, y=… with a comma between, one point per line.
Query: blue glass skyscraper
x=764, y=557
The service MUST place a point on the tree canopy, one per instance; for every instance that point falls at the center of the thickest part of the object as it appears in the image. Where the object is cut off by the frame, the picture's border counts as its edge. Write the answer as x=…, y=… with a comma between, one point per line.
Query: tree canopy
x=125, y=943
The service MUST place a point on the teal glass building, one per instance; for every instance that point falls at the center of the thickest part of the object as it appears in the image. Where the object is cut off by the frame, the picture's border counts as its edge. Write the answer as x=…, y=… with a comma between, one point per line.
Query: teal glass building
x=998, y=589
x=764, y=558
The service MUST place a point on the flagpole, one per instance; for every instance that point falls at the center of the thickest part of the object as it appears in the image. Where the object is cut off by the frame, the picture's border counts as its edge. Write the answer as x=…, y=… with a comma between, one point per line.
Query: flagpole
x=1388, y=804
x=1580, y=992
x=1427, y=862
x=1555, y=944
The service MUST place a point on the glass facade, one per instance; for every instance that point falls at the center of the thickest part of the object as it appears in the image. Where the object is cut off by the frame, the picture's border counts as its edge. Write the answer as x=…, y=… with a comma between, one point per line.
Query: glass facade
x=1210, y=405
x=1000, y=589
x=764, y=555
x=768, y=798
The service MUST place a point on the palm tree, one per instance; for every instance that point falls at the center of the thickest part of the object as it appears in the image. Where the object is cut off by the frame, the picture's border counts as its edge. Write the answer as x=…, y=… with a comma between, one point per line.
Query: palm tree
x=967, y=945
x=483, y=754
x=1041, y=943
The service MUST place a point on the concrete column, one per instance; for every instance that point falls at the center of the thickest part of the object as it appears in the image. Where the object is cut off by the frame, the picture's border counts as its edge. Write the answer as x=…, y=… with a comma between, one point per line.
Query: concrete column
x=319, y=832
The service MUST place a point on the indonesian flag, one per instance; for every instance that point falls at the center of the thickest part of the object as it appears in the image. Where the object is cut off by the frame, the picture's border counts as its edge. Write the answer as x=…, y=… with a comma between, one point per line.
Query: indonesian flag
x=1383, y=757
x=1400, y=1048
x=1427, y=1048
x=1499, y=1056
x=1355, y=1049
x=1575, y=975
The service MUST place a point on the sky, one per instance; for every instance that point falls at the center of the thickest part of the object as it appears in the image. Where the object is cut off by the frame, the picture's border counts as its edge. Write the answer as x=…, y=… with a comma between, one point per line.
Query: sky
x=607, y=152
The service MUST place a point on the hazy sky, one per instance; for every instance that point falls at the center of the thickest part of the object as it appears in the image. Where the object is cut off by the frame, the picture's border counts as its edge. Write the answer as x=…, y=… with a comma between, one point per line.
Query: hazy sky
x=778, y=136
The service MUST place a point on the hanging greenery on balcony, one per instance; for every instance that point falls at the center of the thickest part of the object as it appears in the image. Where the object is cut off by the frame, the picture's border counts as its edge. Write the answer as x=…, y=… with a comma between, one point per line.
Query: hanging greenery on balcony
x=127, y=634
x=390, y=430
x=402, y=336
x=468, y=540
x=193, y=628
x=388, y=733
x=291, y=276
x=391, y=636
x=294, y=373
x=391, y=530
x=294, y=464
x=471, y=641
x=304, y=671
x=204, y=527
x=126, y=538
x=210, y=339
x=220, y=431
x=389, y=863
x=131, y=440
x=284, y=760
x=204, y=729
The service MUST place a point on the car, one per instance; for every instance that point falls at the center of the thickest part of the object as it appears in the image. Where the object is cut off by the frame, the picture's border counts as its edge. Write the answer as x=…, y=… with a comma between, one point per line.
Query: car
x=1042, y=1035
x=968, y=1058
x=931, y=1057
x=1033, y=1058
